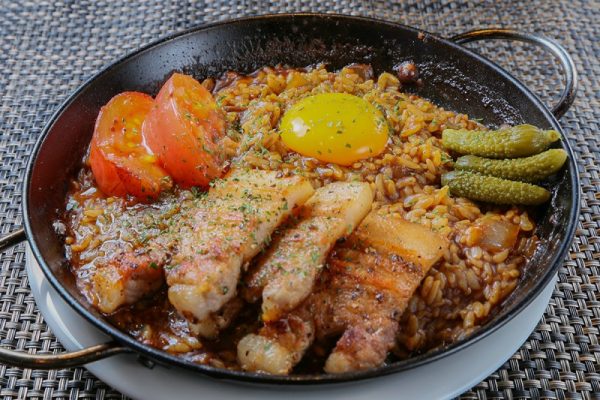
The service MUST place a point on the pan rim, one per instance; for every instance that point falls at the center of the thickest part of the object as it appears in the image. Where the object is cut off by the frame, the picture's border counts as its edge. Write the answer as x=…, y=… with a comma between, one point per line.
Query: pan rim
x=311, y=379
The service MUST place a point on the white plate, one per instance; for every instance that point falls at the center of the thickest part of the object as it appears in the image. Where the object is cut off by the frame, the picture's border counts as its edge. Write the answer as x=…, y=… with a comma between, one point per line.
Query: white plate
x=445, y=378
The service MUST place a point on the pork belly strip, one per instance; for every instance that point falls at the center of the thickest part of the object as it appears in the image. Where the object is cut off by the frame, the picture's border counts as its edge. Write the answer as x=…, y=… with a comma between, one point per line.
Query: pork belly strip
x=285, y=275
x=124, y=279
x=230, y=226
x=360, y=296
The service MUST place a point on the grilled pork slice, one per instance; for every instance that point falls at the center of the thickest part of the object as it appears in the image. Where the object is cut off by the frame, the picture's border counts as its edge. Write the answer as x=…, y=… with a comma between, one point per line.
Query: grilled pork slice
x=230, y=226
x=361, y=296
x=279, y=345
x=285, y=275
x=124, y=279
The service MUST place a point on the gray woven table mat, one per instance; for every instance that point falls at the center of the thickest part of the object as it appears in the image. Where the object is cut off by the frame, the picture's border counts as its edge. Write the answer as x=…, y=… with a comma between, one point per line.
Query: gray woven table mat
x=48, y=48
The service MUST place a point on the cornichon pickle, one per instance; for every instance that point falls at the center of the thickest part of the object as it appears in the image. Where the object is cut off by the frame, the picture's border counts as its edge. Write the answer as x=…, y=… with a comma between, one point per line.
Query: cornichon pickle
x=526, y=169
x=493, y=190
x=516, y=141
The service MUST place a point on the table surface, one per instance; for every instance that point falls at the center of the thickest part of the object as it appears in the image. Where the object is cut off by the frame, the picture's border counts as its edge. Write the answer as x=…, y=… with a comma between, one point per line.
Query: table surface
x=47, y=49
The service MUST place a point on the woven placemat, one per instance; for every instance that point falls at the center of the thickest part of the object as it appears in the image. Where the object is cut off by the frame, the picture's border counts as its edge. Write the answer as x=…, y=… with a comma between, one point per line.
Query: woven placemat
x=48, y=48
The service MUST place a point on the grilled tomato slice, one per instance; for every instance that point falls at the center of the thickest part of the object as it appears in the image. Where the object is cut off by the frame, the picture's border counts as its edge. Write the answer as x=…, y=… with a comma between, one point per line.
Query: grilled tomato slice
x=120, y=163
x=184, y=129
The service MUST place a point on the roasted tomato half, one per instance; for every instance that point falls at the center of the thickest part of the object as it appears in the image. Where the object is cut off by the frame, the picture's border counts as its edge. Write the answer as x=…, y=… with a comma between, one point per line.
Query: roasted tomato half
x=120, y=163
x=184, y=129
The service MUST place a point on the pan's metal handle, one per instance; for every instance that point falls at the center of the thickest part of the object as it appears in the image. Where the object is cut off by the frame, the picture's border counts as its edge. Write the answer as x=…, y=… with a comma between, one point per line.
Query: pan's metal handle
x=54, y=361
x=568, y=95
x=12, y=238
x=62, y=360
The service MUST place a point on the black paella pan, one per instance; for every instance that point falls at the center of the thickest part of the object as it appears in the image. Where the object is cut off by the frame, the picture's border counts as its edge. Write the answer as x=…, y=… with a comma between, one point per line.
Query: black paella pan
x=451, y=75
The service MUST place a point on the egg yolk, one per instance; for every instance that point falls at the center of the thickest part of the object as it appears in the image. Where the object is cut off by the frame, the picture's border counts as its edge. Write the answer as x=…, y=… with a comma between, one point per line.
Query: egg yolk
x=334, y=127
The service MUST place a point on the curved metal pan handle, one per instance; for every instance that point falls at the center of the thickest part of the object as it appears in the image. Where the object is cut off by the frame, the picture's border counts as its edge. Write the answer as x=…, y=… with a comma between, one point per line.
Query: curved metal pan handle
x=53, y=361
x=62, y=360
x=568, y=95
x=11, y=239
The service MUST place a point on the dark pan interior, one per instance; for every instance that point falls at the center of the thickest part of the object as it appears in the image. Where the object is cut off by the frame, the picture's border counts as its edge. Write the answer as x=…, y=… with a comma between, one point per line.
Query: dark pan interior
x=452, y=77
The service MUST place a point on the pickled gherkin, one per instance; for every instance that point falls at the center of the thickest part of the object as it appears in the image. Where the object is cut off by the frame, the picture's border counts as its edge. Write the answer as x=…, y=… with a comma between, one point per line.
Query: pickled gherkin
x=526, y=169
x=517, y=141
x=493, y=190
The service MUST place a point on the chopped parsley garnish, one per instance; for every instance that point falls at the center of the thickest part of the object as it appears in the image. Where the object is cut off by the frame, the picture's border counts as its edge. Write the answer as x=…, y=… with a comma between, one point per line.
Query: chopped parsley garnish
x=314, y=256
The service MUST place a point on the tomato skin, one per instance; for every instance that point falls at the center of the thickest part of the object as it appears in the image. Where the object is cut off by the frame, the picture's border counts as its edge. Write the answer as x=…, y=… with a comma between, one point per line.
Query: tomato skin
x=183, y=130
x=119, y=161
x=105, y=173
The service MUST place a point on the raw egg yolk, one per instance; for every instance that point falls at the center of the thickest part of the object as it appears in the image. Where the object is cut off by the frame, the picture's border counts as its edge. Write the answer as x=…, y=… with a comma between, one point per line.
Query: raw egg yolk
x=334, y=127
